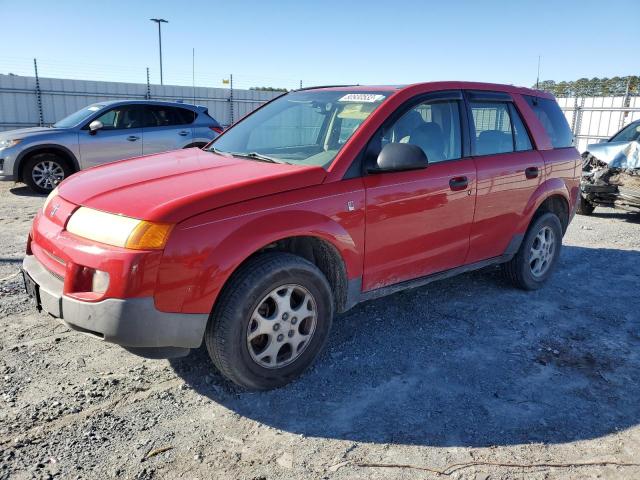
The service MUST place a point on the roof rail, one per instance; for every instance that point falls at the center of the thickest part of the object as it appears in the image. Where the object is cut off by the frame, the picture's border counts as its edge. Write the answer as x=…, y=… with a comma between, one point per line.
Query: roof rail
x=325, y=86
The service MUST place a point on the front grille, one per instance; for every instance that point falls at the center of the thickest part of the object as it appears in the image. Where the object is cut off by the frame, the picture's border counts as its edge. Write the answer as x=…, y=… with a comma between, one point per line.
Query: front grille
x=57, y=275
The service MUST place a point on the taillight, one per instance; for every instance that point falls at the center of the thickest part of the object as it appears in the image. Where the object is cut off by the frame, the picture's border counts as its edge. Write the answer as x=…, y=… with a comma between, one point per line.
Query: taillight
x=218, y=130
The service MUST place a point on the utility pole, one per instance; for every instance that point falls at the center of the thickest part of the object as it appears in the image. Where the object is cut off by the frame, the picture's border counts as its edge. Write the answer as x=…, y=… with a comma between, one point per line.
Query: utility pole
x=160, y=21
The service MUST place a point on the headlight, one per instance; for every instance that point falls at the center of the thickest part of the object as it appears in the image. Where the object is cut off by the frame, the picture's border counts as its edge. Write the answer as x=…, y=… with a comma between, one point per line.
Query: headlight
x=9, y=143
x=50, y=197
x=118, y=230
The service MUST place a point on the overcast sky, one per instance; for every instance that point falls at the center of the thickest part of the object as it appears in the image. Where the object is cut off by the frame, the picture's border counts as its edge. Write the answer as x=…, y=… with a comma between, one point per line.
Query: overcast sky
x=279, y=43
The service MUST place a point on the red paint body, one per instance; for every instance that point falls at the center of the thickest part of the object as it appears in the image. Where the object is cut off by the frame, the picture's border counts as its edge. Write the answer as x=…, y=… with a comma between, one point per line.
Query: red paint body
x=399, y=226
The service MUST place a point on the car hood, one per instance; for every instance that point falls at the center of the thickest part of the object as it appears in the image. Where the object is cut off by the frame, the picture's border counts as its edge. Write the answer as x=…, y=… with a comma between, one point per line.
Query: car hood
x=617, y=154
x=173, y=186
x=26, y=132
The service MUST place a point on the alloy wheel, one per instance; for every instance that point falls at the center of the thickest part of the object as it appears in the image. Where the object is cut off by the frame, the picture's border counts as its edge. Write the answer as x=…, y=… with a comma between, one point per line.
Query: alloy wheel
x=47, y=174
x=281, y=326
x=542, y=251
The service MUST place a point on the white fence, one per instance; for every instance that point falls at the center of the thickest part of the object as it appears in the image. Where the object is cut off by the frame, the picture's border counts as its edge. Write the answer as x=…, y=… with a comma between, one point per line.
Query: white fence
x=25, y=102
x=596, y=118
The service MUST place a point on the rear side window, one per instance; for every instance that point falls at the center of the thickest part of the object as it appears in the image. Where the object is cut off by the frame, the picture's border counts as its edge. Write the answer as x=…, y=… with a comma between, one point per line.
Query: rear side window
x=498, y=128
x=553, y=121
x=160, y=116
x=520, y=134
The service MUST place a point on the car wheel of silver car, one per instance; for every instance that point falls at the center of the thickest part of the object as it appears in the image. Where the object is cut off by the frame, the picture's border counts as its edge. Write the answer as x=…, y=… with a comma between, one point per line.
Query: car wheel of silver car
x=538, y=254
x=44, y=171
x=271, y=321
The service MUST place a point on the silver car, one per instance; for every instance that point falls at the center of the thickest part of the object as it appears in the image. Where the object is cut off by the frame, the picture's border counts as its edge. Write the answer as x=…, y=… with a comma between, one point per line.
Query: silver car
x=103, y=132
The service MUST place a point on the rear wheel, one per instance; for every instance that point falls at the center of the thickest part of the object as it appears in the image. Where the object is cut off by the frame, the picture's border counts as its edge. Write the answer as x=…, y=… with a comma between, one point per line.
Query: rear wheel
x=538, y=253
x=271, y=321
x=44, y=171
x=585, y=207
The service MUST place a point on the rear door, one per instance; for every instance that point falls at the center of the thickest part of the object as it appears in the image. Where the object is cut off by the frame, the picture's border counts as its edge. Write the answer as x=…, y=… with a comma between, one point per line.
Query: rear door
x=167, y=128
x=418, y=222
x=509, y=172
x=119, y=138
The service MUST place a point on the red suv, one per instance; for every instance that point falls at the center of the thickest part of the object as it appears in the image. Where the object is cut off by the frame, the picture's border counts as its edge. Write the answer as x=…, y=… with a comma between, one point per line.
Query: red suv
x=318, y=200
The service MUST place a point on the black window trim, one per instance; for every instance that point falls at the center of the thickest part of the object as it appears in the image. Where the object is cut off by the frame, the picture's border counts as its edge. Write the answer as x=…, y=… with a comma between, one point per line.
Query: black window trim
x=487, y=96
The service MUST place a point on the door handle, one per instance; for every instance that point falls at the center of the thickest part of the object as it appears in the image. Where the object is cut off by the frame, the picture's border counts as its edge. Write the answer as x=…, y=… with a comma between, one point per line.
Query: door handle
x=132, y=138
x=458, y=183
x=531, y=172
x=183, y=133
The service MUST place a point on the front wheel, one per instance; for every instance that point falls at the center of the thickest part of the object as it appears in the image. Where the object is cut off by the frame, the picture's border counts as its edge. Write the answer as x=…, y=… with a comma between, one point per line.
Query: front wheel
x=530, y=268
x=44, y=171
x=271, y=321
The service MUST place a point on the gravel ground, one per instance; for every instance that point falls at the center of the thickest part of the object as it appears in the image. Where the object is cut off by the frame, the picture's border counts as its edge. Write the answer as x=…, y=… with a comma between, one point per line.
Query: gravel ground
x=467, y=370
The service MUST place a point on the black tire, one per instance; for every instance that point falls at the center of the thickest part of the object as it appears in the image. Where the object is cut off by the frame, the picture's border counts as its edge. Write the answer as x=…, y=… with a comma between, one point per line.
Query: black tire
x=226, y=336
x=58, y=165
x=585, y=207
x=519, y=269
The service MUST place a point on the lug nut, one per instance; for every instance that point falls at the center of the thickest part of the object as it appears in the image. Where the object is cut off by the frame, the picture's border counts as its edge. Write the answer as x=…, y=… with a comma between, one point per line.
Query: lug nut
x=294, y=320
x=291, y=333
x=276, y=327
x=285, y=315
x=280, y=337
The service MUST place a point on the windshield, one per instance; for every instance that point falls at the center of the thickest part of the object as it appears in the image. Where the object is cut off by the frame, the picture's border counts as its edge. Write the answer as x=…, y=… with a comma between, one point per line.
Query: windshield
x=77, y=117
x=306, y=127
x=629, y=134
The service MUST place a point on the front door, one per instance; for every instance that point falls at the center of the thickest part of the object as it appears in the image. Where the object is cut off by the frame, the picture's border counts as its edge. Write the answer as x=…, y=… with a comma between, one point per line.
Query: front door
x=418, y=222
x=119, y=138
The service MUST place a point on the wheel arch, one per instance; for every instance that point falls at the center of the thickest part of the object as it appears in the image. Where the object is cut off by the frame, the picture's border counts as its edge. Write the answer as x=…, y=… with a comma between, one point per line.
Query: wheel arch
x=310, y=235
x=551, y=196
x=64, y=152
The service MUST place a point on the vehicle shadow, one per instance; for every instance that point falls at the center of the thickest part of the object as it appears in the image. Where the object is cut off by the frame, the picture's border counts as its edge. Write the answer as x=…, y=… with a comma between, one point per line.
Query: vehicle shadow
x=631, y=217
x=468, y=361
x=25, y=191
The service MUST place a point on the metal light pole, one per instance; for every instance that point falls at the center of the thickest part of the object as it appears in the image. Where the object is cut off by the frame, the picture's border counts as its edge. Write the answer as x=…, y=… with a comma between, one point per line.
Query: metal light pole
x=159, y=21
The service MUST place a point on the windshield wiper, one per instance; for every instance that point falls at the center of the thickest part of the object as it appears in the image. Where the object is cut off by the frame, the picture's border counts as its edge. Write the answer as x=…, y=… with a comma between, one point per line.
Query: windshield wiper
x=257, y=156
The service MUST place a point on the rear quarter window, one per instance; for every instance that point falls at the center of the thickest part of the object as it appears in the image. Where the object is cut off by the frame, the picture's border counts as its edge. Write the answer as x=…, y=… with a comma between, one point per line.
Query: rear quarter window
x=553, y=121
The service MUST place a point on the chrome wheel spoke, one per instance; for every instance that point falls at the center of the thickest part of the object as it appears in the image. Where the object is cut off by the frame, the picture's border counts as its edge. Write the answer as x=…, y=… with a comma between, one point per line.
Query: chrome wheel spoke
x=270, y=354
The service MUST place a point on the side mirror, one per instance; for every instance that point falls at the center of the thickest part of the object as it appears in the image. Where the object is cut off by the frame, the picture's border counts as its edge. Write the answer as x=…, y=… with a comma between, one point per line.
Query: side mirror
x=95, y=126
x=397, y=157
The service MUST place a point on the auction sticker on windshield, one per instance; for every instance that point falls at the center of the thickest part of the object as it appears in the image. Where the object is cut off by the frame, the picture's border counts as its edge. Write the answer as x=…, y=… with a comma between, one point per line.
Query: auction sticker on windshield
x=362, y=98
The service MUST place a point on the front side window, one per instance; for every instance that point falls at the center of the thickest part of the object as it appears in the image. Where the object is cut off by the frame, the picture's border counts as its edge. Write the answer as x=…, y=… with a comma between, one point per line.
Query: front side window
x=433, y=126
x=628, y=134
x=553, y=121
x=121, y=118
x=306, y=127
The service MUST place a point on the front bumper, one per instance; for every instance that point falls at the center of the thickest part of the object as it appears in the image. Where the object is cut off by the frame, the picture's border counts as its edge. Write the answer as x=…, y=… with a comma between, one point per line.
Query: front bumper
x=7, y=160
x=134, y=323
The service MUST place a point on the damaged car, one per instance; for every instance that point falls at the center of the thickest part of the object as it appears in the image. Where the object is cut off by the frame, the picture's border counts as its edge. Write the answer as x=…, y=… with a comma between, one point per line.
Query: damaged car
x=611, y=172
